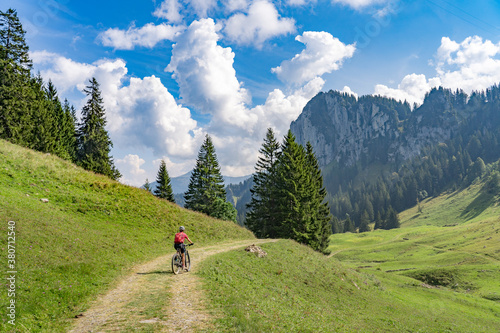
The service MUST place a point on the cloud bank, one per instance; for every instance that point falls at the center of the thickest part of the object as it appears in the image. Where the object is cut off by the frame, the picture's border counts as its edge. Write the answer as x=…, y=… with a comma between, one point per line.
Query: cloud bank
x=261, y=23
x=146, y=36
x=323, y=54
x=470, y=65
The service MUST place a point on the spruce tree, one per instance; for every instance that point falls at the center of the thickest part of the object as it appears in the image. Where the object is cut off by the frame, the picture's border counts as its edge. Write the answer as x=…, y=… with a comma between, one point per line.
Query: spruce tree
x=147, y=186
x=364, y=222
x=301, y=207
x=94, y=144
x=349, y=225
x=319, y=210
x=164, y=188
x=13, y=47
x=261, y=215
x=68, y=128
x=206, y=191
x=379, y=223
x=291, y=186
x=392, y=219
x=16, y=94
x=336, y=227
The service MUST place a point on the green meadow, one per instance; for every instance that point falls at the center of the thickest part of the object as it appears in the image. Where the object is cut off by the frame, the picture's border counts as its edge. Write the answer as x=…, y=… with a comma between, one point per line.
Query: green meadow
x=438, y=273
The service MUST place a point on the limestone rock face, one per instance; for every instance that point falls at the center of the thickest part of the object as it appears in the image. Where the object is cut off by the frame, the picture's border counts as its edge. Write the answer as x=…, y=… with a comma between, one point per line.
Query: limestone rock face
x=344, y=129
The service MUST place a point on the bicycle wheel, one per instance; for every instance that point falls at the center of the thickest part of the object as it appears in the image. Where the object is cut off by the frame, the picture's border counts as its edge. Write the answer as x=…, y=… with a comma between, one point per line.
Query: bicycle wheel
x=176, y=263
x=188, y=261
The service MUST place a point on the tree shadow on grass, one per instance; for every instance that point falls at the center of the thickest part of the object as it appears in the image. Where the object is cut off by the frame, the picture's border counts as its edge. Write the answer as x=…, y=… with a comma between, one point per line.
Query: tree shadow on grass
x=155, y=272
x=484, y=200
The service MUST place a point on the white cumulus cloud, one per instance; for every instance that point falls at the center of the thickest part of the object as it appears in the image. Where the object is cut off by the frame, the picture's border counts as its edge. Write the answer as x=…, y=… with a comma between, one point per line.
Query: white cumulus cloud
x=471, y=65
x=412, y=89
x=323, y=54
x=147, y=36
x=142, y=113
x=130, y=168
x=206, y=77
x=262, y=22
x=169, y=10
x=348, y=90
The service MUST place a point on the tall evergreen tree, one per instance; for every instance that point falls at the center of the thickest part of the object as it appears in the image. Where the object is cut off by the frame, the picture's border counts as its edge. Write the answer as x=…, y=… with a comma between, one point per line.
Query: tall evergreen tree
x=206, y=191
x=261, y=216
x=13, y=47
x=68, y=129
x=291, y=190
x=16, y=94
x=94, y=144
x=43, y=109
x=379, y=223
x=336, y=227
x=392, y=219
x=349, y=225
x=319, y=210
x=164, y=188
x=364, y=222
x=301, y=208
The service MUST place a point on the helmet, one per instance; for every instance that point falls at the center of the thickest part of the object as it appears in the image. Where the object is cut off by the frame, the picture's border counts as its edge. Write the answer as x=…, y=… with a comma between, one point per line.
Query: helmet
x=181, y=228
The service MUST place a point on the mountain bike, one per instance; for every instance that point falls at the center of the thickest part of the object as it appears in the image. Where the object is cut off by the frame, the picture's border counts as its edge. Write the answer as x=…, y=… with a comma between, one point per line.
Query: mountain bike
x=177, y=260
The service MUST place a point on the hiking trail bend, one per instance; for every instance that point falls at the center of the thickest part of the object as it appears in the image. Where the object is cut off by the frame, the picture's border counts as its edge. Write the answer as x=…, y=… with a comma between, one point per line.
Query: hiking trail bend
x=152, y=298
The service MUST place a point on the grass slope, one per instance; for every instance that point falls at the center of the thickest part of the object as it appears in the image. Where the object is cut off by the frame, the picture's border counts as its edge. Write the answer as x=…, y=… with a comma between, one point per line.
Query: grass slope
x=438, y=273
x=90, y=232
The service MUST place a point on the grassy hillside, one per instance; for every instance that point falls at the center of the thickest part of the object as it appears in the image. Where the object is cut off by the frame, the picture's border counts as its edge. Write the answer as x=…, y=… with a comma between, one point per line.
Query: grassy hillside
x=438, y=273
x=91, y=231
x=294, y=289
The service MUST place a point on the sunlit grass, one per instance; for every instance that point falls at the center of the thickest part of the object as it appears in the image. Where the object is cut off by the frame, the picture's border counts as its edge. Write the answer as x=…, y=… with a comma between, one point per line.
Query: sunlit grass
x=295, y=289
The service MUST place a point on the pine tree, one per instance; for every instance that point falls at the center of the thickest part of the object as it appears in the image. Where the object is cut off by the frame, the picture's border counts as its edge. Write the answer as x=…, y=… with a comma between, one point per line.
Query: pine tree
x=349, y=225
x=336, y=227
x=261, y=214
x=300, y=195
x=291, y=182
x=16, y=94
x=319, y=213
x=68, y=129
x=43, y=116
x=164, y=188
x=364, y=222
x=13, y=47
x=94, y=144
x=392, y=219
x=379, y=223
x=206, y=191
x=147, y=186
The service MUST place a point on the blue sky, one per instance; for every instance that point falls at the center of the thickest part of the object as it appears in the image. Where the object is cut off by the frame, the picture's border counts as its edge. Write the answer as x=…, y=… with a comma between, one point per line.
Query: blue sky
x=172, y=71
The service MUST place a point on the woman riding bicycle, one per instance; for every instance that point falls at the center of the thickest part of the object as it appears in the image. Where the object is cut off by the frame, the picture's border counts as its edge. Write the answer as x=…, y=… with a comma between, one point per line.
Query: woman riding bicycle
x=179, y=244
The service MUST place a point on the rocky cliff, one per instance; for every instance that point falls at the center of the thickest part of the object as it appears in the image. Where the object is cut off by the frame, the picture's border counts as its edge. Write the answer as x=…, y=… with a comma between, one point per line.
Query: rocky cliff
x=344, y=129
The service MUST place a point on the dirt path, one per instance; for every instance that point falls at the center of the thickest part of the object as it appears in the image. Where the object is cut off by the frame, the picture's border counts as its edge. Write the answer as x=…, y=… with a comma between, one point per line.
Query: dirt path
x=154, y=299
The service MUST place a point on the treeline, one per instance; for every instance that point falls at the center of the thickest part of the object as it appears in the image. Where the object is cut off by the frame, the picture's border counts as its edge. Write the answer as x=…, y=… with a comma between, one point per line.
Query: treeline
x=288, y=197
x=32, y=115
x=445, y=166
